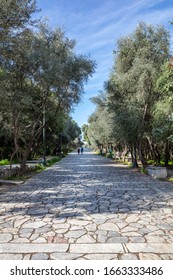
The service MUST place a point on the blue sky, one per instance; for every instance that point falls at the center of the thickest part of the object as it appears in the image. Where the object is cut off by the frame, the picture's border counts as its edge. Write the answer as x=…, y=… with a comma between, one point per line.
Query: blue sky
x=96, y=25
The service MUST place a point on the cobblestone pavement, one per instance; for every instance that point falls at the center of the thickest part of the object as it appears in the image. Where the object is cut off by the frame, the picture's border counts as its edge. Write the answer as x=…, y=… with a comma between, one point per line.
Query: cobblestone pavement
x=87, y=207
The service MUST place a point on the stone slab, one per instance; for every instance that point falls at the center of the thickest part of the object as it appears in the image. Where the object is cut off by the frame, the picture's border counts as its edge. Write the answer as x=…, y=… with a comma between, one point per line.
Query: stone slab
x=157, y=172
x=34, y=225
x=96, y=248
x=101, y=257
x=39, y=257
x=5, y=237
x=64, y=256
x=11, y=257
x=157, y=248
x=12, y=182
x=33, y=248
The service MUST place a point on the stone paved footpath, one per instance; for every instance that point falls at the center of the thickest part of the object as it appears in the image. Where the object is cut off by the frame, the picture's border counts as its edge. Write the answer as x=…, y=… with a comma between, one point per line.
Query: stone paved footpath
x=87, y=207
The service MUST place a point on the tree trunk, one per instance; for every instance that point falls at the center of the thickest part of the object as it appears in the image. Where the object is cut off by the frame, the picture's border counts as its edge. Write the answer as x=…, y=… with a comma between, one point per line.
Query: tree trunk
x=124, y=153
x=134, y=162
x=167, y=155
x=11, y=158
x=158, y=157
x=131, y=151
x=141, y=157
x=24, y=157
x=154, y=151
x=23, y=165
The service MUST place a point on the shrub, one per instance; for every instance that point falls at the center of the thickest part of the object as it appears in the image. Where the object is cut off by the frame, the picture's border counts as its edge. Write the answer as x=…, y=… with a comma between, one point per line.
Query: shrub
x=39, y=167
x=143, y=170
x=4, y=162
x=151, y=162
x=52, y=161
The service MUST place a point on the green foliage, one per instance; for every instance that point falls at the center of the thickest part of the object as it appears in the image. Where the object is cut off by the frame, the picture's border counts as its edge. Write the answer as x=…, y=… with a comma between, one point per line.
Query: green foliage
x=40, y=75
x=143, y=170
x=134, y=108
x=52, y=161
x=162, y=123
x=15, y=14
x=4, y=162
x=131, y=85
x=99, y=131
x=85, y=133
x=151, y=162
x=39, y=167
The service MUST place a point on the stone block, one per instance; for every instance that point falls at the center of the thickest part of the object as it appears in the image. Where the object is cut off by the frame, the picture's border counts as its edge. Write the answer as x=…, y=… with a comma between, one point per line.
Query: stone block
x=157, y=172
x=32, y=248
x=155, y=248
x=96, y=248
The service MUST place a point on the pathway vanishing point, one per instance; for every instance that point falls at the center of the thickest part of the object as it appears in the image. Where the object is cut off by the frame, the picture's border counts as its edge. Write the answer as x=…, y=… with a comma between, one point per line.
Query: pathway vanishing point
x=87, y=207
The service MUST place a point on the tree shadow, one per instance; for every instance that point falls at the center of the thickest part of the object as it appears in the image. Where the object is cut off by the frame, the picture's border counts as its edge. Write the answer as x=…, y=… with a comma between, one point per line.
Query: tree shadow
x=87, y=184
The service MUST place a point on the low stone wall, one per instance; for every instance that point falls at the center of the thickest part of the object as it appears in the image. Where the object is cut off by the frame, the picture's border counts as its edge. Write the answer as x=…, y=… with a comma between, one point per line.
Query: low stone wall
x=157, y=172
x=170, y=172
x=6, y=172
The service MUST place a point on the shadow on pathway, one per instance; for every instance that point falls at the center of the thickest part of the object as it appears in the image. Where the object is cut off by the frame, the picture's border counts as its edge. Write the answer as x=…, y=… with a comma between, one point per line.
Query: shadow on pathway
x=88, y=199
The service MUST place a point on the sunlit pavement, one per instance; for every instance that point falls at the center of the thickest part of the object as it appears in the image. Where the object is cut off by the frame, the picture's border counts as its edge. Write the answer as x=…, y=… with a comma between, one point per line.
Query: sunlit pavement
x=87, y=207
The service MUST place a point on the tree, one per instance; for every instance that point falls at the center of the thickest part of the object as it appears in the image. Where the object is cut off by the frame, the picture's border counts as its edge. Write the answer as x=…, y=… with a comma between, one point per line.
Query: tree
x=70, y=132
x=42, y=77
x=85, y=133
x=162, y=131
x=15, y=14
x=99, y=130
x=131, y=86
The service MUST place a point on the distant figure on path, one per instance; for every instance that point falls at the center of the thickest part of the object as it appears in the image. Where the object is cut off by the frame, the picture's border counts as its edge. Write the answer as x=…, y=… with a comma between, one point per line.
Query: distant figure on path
x=78, y=150
x=81, y=150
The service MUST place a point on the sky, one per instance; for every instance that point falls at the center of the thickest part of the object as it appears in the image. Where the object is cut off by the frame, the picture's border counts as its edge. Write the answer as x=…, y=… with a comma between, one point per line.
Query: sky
x=96, y=25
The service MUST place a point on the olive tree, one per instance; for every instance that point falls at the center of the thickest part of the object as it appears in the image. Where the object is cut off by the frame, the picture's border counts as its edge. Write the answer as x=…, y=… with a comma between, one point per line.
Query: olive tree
x=42, y=78
x=131, y=86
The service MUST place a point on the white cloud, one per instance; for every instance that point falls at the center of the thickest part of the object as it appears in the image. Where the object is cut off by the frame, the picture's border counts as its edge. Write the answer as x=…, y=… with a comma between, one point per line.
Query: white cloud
x=98, y=27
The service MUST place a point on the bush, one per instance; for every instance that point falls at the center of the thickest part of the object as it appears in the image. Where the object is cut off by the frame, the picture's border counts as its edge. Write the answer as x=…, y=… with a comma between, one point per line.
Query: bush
x=143, y=170
x=39, y=167
x=4, y=162
x=151, y=162
x=52, y=161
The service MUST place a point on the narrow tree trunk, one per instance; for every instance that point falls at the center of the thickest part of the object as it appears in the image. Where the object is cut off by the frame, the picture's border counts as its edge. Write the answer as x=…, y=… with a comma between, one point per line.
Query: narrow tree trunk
x=11, y=158
x=141, y=157
x=106, y=148
x=134, y=163
x=158, y=157
x=124, y=153
x=131, y=152
x=154, y=151
x=167, y=155
x=24, y=157
x=23, y=165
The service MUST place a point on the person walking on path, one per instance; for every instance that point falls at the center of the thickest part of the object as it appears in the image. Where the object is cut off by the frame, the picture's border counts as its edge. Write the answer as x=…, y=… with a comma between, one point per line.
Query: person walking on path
x=78, y=150
x=81, y=150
